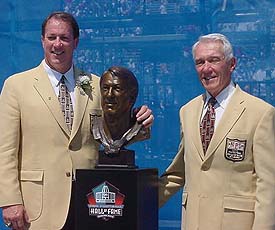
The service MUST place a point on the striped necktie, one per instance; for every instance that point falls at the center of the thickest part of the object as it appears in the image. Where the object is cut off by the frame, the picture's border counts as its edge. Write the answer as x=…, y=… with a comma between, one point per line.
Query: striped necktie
x=66, y=103
x=208, y=124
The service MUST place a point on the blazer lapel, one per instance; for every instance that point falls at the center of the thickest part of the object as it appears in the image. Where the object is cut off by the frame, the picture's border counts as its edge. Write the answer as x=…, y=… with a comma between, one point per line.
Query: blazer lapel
x=44, y=88
x=81, y=101
x=232, y=113
x=195, y=121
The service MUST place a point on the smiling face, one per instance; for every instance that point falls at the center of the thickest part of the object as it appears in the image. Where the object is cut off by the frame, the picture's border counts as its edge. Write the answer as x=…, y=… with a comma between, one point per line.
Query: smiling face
x=116, y=98
x=59, y=44
x=213, y=69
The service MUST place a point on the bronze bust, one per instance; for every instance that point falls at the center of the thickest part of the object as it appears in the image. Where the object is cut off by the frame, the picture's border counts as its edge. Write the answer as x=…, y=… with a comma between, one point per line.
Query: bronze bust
x=117, y=126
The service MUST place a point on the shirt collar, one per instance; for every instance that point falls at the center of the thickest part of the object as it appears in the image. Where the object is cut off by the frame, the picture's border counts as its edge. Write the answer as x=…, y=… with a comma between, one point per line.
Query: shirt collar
x=70, y=81
x=223, y=97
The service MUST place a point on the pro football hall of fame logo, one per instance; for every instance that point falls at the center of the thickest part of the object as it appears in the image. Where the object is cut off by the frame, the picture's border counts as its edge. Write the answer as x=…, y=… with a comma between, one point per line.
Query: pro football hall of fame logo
x=105, y=201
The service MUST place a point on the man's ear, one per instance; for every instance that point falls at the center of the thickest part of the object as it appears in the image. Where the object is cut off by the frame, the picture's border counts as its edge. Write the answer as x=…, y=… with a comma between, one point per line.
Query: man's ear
x=233, y=64
x=76, y=41
x=42, y=41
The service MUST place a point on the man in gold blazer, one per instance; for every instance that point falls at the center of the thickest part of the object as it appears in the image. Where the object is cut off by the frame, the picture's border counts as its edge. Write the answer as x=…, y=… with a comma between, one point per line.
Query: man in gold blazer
x=38, y=151
x=231, y=185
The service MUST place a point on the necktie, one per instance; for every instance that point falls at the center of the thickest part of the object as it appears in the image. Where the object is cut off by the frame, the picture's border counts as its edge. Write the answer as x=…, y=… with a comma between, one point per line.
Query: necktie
x=207, y=124
x=66, y=103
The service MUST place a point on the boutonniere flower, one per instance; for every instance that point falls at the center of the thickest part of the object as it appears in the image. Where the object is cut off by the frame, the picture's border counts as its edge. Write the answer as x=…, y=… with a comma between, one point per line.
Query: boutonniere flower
x=84, y=83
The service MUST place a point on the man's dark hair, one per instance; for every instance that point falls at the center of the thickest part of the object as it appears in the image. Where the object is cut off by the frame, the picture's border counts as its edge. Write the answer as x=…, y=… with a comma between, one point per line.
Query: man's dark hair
x=64, y=16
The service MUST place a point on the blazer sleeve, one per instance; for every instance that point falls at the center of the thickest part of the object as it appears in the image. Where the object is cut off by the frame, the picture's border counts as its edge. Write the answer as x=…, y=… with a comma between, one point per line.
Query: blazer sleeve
x=174, y=177
x=9, y=145
x=264, y=160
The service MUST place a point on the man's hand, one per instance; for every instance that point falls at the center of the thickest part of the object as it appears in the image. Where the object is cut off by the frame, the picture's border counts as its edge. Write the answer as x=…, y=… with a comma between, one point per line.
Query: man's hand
x=145, y=116
x=15, y=216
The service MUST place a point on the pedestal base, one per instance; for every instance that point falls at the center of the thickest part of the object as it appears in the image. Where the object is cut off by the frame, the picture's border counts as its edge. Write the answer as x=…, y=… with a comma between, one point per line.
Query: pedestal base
x=123, y=159
x=117, y=199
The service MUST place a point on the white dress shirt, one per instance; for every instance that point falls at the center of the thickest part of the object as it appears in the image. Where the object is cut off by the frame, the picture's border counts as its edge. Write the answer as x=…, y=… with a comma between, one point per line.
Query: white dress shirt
x=222, y=101
x=55, y=77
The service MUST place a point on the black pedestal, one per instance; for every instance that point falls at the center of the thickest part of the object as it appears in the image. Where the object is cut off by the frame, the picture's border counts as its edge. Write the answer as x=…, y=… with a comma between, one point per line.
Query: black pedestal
x=122, y=199
x=125, y=158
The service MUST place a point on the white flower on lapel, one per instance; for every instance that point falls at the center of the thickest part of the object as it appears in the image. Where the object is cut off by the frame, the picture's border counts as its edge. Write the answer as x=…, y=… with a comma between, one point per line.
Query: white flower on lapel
x=84, y=83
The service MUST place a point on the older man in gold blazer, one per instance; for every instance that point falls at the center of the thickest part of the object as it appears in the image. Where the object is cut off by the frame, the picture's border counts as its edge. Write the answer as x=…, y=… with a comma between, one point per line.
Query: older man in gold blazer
x=231, y=184
x=39, y=152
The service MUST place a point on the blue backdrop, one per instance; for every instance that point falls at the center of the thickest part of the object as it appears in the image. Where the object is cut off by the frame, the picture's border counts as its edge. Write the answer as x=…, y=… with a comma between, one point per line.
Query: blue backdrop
x=153, y=38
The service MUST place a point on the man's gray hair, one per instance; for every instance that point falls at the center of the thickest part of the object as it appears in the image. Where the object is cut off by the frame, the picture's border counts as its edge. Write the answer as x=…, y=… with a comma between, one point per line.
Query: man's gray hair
x=227, y=47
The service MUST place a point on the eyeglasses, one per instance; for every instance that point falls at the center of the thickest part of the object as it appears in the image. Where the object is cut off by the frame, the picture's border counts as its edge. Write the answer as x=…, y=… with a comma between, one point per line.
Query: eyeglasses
x=210, y=60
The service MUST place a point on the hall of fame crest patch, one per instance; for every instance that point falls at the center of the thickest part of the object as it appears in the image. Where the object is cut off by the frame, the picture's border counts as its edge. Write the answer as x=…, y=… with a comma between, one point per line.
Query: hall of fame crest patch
x=235, y=149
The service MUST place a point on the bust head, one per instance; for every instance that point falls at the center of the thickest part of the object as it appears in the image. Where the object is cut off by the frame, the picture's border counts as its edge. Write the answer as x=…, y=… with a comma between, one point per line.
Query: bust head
x=119, y=90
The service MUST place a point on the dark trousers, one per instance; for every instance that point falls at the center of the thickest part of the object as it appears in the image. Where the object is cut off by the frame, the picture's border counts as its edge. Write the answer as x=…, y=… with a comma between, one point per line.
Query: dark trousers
x=70, y=221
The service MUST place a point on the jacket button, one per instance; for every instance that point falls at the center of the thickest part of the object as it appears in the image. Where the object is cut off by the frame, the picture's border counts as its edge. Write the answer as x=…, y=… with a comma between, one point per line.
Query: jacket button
x=204, y=168
x=68, y=174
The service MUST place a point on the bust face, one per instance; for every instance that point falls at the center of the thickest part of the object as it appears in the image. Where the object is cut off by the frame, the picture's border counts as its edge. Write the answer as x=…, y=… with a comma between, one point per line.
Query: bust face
x=116, y=100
